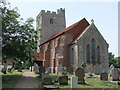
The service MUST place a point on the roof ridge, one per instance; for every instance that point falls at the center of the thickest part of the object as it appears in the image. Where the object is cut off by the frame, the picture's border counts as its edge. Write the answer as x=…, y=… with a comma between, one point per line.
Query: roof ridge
x=64, y=31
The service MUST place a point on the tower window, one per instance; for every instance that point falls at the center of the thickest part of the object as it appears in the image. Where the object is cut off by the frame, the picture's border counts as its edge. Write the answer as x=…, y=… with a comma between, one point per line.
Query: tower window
x=51, y=20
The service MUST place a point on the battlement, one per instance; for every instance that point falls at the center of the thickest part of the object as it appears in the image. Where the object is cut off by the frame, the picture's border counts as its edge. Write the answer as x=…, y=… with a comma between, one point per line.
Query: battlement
x=59, y=11
x=47, y=12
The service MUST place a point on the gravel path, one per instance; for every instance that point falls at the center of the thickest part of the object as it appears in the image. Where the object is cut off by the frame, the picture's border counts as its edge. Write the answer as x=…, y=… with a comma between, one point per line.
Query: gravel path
x=27, y=81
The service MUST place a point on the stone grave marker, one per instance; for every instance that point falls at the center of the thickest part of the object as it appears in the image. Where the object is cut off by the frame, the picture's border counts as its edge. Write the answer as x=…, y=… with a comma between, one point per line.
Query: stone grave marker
x=64, y=71
x=48, y=70
x=80, y=74
x=110, y=68
x=47, y=81
x=44, y=75
x=41, y=70
x=59, y=69
x=119, y=72
x=74, y=82
x=114, y=74
x=104, y=76
x=63, y=80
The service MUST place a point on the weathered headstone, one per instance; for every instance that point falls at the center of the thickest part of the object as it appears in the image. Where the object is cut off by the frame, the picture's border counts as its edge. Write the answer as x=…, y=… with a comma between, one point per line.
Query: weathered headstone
x=114, y=74
x=110, y=68
x=59, y=69
x=41, y=70
x=63, y=80
x=47, y=81
x=74, y=82
x=104, y=76
x=48, y=70
x=80, y=74
x=36, y=68
x=64, y=71
x=44, y=75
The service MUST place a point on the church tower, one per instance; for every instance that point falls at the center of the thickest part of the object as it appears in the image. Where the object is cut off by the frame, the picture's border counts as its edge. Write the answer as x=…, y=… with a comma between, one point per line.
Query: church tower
x=50, y=23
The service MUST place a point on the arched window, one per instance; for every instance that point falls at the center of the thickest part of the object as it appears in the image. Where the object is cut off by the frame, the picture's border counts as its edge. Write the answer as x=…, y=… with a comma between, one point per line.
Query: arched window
x=93, y=51
x=51, y=20
x=88, y=53
x=98, y=54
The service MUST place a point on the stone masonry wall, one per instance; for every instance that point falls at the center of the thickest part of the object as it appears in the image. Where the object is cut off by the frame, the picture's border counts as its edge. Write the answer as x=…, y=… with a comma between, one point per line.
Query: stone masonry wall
x=88, y=35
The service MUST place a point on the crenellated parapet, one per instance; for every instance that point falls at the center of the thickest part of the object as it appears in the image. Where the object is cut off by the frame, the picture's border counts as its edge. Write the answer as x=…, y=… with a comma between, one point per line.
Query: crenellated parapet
x=60, y=11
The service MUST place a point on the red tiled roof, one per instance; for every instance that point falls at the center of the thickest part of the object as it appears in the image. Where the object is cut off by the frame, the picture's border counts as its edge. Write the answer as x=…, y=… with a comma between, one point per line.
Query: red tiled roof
x=82, y=32
x=76, y=30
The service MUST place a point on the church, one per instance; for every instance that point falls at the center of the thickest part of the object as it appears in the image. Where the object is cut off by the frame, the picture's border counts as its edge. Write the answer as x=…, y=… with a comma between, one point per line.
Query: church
x=61, y=48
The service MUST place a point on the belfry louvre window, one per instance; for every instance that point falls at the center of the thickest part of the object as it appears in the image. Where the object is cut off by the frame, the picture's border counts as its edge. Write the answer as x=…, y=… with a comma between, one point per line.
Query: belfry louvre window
x=88, y=53
x=51, y=20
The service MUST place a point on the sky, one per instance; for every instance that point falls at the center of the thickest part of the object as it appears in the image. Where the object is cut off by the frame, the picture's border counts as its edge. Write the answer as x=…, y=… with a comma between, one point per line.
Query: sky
x=104, y=14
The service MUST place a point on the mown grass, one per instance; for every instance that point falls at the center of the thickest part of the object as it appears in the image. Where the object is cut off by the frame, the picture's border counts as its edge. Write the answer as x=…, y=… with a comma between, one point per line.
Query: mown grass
x=9, y=80
x=90, y=83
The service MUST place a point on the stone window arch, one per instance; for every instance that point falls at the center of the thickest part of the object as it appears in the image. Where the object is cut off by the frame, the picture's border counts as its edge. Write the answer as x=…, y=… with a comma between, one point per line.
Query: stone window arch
x=93, y=51
x=98, y=54
x=51, y=20
x=88, y=53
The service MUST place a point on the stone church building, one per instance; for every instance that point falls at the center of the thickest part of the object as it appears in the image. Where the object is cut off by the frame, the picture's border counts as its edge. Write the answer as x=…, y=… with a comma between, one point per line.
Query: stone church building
x=67, y=48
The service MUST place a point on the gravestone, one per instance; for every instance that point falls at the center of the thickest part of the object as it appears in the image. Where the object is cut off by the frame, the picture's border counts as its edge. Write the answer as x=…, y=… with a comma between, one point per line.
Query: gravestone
x=48, y=70
x=104, y=76
x=63, y=80
x=44, y=75
x=90, y=74
x=114, y=74
x=80, y=74
x=47, y=81
x=119, y=73
x=64, y=71
x=74, y=82
x=110, y=68
x=41, y=70
x=59, y=69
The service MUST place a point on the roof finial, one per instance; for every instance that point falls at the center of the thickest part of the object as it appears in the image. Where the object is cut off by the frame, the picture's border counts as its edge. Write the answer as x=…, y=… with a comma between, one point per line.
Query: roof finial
x=92, y=20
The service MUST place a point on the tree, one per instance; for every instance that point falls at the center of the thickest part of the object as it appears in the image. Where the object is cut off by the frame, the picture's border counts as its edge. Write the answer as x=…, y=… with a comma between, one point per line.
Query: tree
x=19, y=38
x=117, y=62
x=111, y=58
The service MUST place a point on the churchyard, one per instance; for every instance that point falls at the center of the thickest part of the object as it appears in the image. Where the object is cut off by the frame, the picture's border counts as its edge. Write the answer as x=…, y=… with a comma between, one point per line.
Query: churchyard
x=80, y=79
x=90, y=82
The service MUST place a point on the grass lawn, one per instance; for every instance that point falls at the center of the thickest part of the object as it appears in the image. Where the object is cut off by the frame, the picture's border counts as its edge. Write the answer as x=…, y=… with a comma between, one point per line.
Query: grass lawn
x=9, y=80
x=90, y=83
